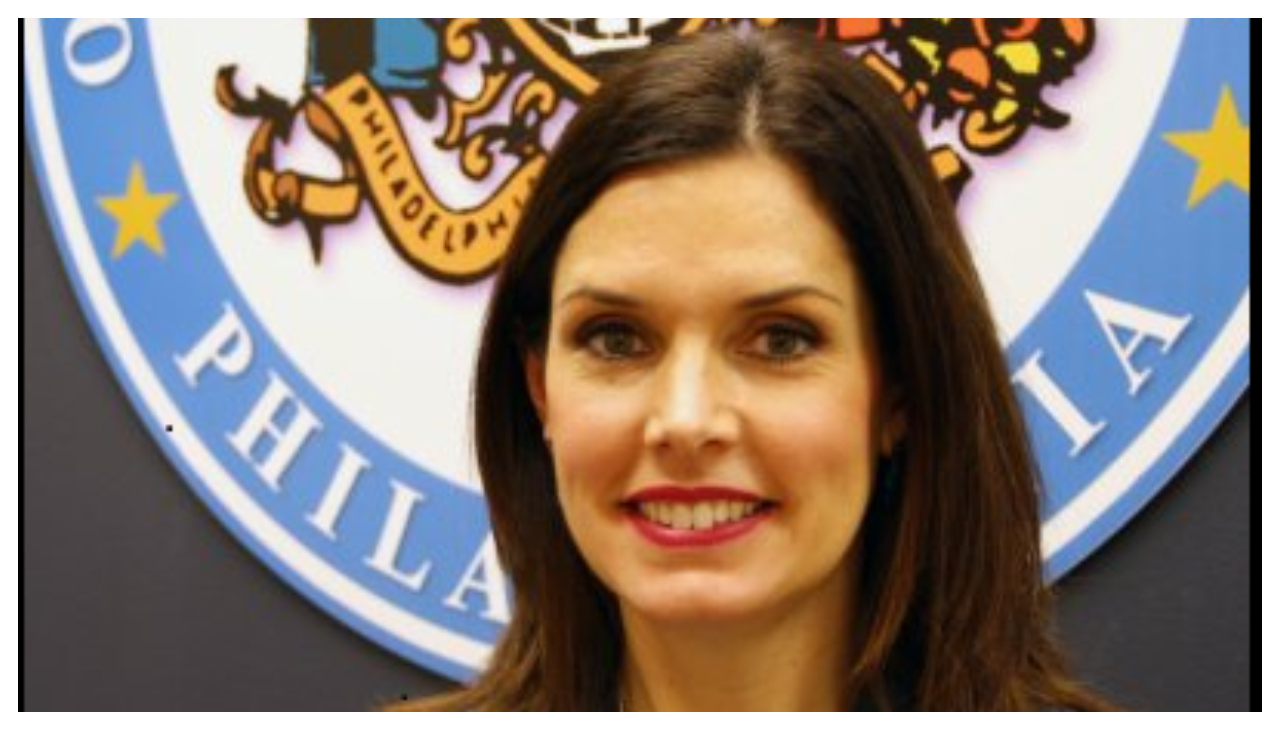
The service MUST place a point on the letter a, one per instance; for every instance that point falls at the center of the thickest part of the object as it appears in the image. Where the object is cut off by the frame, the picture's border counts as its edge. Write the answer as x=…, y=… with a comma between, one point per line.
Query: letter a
x=1114, y=314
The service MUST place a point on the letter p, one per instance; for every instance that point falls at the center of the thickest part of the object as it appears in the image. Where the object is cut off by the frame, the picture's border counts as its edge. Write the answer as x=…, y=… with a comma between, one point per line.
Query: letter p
x=226, y=345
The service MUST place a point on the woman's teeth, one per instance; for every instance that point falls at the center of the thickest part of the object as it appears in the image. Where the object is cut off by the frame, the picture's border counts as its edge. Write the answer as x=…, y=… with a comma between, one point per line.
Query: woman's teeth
x=698, y=515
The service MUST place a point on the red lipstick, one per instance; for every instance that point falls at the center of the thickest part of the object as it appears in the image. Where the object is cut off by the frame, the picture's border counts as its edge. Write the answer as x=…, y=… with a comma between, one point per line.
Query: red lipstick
x=684, y=497
x=671, y=493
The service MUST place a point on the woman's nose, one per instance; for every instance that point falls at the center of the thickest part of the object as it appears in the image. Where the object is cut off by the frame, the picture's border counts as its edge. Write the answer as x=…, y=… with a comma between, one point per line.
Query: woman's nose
x=690, y=410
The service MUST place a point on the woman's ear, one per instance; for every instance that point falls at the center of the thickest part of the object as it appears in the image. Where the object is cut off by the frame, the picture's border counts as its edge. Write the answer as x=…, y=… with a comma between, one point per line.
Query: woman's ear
x=535, y=380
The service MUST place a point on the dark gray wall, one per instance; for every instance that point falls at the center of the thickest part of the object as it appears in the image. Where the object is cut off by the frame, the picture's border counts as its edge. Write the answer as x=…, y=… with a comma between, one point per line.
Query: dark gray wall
x=133, y=596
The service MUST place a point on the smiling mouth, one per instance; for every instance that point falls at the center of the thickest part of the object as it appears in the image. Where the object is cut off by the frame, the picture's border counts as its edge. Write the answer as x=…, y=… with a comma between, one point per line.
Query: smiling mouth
x=700, y=515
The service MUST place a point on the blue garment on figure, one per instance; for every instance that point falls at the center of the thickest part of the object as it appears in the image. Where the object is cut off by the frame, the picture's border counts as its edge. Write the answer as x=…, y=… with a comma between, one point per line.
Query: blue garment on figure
x=399, y=54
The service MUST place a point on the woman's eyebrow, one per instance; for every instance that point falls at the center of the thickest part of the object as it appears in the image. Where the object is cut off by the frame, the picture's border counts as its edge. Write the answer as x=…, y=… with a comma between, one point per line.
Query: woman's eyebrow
x=777, y=296
x=601, y=296
x=755, y=301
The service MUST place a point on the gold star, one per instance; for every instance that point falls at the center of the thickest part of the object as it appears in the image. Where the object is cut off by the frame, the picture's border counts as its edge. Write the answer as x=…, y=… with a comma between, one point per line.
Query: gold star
x=138, y=214
x=1221, y=151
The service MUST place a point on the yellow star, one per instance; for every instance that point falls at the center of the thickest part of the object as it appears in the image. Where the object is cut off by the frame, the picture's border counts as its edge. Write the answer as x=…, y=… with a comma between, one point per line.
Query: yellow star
x=1221, y=151
x=138, y=214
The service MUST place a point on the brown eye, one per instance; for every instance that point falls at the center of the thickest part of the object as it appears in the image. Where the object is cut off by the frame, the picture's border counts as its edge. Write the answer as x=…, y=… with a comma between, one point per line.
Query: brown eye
x=614, y=341
x=783, y=342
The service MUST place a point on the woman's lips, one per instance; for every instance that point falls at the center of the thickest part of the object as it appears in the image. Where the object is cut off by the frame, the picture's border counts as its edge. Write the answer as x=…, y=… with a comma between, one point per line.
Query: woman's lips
x=702, y=516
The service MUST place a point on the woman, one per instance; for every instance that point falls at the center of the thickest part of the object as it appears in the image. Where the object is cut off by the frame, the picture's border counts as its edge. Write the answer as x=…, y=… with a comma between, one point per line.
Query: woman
x=742, y=415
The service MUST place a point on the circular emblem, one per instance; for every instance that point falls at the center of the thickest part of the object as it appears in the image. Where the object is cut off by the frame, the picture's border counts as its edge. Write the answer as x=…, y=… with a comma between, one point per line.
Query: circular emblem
x=283, y=234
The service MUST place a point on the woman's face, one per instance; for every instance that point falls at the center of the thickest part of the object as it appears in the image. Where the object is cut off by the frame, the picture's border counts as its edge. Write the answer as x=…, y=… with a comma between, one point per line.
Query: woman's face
x=711, y=392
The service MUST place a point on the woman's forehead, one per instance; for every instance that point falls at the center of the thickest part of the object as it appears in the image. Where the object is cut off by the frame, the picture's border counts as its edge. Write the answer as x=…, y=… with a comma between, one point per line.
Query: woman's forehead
x=745, y=215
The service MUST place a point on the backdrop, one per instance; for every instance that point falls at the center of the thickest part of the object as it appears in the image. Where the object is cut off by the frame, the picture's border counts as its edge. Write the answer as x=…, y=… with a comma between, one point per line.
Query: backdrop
x=134, y=596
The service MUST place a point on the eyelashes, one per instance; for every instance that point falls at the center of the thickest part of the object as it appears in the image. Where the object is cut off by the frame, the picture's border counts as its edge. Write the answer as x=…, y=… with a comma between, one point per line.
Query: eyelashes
x=612, y=339
x=779, y=341
x=784, y=342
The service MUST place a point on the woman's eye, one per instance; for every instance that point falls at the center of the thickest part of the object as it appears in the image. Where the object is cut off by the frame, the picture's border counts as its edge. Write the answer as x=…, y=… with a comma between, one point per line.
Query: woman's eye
x=783, y=342
x=614, y=341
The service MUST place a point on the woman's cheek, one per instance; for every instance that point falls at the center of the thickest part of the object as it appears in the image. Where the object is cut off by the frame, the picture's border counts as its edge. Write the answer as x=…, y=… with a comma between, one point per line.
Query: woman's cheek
x=593, y=439
x=830, y=436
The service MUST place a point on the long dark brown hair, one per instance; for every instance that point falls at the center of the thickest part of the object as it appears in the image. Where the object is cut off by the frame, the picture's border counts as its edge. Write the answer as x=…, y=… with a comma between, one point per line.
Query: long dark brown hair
x=952, y=614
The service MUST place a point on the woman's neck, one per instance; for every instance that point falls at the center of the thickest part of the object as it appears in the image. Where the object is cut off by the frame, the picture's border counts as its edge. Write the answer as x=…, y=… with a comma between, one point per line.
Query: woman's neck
x=796, y=658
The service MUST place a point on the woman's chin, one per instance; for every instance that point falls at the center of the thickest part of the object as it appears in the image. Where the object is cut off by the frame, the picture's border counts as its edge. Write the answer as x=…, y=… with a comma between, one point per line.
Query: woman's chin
x=692, y=604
